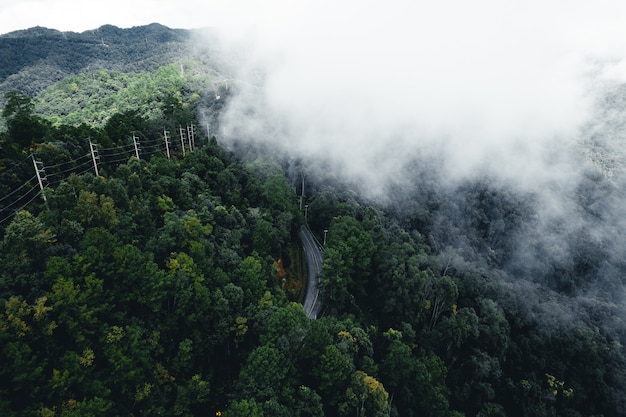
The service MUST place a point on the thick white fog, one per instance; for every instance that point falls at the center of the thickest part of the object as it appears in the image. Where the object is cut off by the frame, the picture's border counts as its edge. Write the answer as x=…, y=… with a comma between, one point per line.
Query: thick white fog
x=497, y=86
x=525, y=93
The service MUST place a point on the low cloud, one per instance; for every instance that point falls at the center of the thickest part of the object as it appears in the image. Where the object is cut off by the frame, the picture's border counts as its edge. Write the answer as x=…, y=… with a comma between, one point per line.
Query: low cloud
x=526, y=94
x=499, y=87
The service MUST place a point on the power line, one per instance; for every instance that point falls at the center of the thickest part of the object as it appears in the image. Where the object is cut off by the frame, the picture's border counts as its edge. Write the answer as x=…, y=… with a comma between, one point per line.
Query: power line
x=16, y=165
x=19, y=188
x=116, y=154
x=19, y=209
x=66, y=163
x=149, y=147
x=115, y=161
x=70, y=170
x=118, y=147
x=7, y=207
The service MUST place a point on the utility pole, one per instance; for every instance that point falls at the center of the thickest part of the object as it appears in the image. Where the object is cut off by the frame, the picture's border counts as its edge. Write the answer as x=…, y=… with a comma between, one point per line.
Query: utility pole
x=136, y=143
x=167, y=143
x=94, y=156
x=302, y=193
x=306, y=212
x=38, y=171
x=193, y=135
x=182, y=138
x=190, y=138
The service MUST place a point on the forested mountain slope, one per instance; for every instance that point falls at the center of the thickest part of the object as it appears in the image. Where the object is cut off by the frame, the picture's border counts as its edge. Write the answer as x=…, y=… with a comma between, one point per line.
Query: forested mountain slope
x=169, y=283
x=33, y=59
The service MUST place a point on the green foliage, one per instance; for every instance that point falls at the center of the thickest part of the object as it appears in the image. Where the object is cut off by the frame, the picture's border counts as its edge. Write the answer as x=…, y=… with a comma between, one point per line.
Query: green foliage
x=99, y=320
x=23, y=252
x=96, y=97
x=244, y=408
x=23, y=127
x=348, y=256
x=367, y=395
x=150, y=290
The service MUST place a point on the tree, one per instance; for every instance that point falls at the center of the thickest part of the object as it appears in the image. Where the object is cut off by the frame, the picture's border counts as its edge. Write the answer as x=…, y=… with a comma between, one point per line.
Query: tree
x=263, y=375
x=192, y=396
x=440, y=295
x=96, y=210
x=399, y=284
x=307, y=403
x=367, y=395
x=24, y=128
x=121, y=126
x=333, y=371
x=285, y=329
x=347, y=259
x=244, y=408
x=276, y=193
x=251, y=278
x=416, y=378
x=23, y=252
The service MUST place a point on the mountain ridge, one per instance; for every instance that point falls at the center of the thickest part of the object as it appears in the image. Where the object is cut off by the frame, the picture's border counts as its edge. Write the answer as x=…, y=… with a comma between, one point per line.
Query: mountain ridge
x=35, y=58
x=43, y=31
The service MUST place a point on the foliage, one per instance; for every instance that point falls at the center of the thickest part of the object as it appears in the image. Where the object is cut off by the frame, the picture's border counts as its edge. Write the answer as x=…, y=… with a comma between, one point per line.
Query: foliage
x=95, y=97
x=151, y=289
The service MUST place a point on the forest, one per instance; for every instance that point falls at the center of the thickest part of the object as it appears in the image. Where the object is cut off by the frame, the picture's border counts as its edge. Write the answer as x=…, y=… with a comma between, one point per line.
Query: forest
x=170, y=282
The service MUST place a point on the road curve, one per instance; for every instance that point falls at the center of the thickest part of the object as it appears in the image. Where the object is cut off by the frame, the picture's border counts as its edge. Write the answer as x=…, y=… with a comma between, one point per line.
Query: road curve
x=312, y=250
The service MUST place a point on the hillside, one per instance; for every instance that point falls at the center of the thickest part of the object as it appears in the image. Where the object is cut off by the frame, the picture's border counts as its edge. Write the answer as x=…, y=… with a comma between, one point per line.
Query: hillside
x=33, y=59
x=150, y=271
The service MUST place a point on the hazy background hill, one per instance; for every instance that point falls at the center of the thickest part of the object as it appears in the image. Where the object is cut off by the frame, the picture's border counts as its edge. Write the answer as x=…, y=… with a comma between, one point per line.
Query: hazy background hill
x=33, y=59
x=87, y=77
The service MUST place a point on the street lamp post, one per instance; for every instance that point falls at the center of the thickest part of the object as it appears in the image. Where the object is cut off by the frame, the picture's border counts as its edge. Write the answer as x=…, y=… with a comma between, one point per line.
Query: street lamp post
x=306, y=212
x=325, y=233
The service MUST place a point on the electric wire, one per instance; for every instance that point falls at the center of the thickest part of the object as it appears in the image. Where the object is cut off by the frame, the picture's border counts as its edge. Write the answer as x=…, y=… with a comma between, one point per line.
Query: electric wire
x=19, y=188
x=147, y=148
x=157, y=146
x=84, y=171
x=130, y=145
x=116, y=154
x=70, y=170
x=18, y=210
x=14, y=166
x=65, y=163
x=16, y=202
x=117, y=161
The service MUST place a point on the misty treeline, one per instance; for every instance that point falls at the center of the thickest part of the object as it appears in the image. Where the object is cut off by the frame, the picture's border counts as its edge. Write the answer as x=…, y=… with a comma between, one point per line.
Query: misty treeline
x=172, y=287
x=36, y=58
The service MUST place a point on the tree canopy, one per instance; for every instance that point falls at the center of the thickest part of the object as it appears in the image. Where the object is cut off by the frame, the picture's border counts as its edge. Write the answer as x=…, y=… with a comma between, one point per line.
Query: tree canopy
x=166, y=285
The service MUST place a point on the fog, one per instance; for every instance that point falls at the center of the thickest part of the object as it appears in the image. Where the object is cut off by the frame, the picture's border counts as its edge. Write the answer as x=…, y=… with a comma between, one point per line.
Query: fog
x=493, y=86
x=527, y=94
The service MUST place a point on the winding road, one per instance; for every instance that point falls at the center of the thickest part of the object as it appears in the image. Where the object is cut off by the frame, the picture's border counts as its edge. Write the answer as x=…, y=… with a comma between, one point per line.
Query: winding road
x=312, y=250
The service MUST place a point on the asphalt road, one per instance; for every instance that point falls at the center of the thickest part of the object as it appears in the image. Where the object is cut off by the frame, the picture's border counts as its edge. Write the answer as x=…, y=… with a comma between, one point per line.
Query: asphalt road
x=312, y=250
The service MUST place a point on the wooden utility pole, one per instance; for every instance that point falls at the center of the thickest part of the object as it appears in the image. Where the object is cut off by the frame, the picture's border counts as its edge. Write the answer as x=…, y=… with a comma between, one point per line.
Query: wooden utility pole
x=167, y=143
x=94, y=157
x=38, y=171
x=190, y=138
x=302, y=191
x=136, y=143
x=182, y=138
x=191, y=134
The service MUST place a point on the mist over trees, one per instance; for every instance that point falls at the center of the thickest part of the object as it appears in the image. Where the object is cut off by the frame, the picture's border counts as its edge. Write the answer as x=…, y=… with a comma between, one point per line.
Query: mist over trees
x=172, y=285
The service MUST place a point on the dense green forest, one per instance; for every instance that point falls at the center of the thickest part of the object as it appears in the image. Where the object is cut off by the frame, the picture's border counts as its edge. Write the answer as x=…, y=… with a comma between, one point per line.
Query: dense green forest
x=35, y=58
x=95, y=97
x=170, y=283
